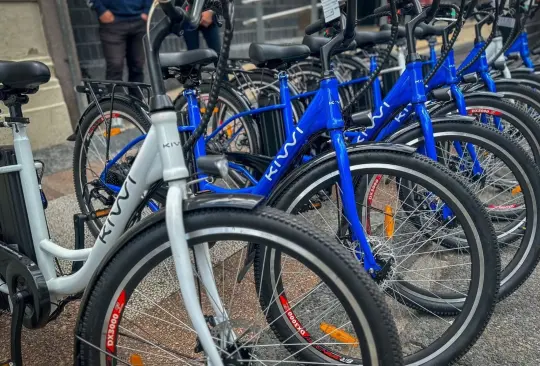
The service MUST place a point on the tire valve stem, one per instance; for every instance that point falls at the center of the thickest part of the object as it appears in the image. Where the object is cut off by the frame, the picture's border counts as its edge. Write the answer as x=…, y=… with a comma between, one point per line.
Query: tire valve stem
x=339, y=334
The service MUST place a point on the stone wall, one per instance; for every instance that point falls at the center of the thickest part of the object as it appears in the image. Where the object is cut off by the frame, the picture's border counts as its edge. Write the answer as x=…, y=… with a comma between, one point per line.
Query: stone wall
x=23, y=38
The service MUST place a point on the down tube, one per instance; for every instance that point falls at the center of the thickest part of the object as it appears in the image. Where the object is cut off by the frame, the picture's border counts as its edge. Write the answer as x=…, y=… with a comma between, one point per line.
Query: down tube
x=129, y=198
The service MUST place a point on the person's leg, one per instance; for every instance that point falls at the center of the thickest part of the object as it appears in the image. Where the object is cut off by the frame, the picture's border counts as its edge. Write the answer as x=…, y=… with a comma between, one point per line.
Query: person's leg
x=212, y=37
x=192, y=39
x=135, y=51
x=113, y=39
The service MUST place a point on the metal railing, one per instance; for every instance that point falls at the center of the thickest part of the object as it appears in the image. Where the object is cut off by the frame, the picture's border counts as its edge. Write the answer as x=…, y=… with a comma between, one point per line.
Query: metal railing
x=260, y=18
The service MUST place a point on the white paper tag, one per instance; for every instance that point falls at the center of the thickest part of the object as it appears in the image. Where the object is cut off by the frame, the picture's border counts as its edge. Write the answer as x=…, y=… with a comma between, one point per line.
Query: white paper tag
x=506, y=22
x=330, y=10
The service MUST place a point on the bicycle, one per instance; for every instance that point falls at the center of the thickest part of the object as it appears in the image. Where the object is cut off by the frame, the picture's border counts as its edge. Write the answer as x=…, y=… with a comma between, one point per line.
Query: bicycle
x=36, y=292
x=277, y=176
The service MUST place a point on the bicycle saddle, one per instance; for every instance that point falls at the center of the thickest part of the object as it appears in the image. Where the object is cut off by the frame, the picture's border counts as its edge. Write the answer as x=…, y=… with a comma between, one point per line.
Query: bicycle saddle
x=202, y=57
x=315, y=43
x=23, y=74
x=273, y=55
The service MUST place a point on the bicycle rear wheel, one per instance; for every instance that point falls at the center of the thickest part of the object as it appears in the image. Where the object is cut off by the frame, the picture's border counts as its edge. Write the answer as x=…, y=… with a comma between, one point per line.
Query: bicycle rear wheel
x=332, y=312
x=96, y=193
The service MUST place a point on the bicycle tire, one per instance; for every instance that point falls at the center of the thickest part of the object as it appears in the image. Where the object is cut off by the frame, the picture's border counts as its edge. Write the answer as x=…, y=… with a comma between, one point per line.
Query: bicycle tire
x=527, y=127
x=145, y=250
x=231, y=100
x=89, y=122
x=526, y=258
x=454, y=343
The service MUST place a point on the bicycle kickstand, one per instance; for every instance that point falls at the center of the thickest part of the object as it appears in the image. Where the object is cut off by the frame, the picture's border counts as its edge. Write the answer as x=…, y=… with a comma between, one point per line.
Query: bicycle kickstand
x=19, y=301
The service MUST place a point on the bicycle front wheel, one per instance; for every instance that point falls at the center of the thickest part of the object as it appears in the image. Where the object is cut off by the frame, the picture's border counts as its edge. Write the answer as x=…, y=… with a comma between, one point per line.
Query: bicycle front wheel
x=457, y=287
x=332, y=311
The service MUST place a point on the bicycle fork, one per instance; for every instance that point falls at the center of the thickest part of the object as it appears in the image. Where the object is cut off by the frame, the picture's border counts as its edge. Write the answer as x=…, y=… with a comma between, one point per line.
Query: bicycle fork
x=175, y=172
x=363, y=250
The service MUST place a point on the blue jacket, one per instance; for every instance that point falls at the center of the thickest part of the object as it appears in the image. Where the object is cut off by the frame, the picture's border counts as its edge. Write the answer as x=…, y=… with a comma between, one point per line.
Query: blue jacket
x=122, y=9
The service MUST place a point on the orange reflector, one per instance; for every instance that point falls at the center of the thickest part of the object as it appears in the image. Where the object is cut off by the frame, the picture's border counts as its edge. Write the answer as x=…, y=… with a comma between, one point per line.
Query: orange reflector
x=104, y=212
x=389, y=221
x=339, y=334
x=516, y=190
x=203, y=109
x=135, y=360
x=114, y=131
x=229, y=130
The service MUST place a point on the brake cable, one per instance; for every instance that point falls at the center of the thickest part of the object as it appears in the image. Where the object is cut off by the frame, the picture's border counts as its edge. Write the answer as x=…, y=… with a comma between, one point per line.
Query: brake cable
x=514, y=34
x=488, y=41
x=386, y=53
x=445, y=51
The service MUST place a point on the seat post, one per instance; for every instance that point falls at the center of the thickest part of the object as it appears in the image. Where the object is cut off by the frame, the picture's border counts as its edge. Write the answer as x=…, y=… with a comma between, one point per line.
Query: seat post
x=15, y=111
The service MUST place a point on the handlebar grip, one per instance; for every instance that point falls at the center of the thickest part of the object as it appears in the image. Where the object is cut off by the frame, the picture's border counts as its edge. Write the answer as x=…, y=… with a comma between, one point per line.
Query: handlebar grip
x=315, y=27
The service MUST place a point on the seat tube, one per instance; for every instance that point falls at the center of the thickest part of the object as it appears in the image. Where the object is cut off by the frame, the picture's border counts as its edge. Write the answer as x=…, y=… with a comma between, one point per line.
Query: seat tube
x=285, y=98
x=377, y=94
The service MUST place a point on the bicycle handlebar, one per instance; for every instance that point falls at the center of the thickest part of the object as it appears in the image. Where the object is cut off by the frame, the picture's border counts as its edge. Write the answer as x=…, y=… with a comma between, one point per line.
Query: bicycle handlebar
x=315, y=27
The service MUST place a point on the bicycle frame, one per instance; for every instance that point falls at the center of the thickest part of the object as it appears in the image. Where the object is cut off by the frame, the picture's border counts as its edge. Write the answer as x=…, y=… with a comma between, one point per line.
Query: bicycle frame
x=322, y=114
x=162, y=152
x=521, y=46
x=139, y=180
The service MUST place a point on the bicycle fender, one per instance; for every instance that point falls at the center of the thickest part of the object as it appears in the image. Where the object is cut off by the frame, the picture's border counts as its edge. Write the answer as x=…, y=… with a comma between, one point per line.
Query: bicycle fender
x=434, y=120
x=202, y=201
x=518, y=81
x=479, y=92
x=104, y=98
x=324, y=157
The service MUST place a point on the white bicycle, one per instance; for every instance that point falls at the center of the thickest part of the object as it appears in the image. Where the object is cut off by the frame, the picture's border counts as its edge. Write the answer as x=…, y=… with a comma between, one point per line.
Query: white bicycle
x=169, y=290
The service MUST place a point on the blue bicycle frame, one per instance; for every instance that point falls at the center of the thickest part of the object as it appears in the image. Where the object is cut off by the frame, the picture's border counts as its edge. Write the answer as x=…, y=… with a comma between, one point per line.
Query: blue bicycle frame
x=322, y=114
x=521, y=46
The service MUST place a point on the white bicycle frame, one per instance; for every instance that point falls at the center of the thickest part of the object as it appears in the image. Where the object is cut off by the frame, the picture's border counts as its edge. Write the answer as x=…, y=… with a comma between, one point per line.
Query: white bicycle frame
x=492, y=49
x=162, y=152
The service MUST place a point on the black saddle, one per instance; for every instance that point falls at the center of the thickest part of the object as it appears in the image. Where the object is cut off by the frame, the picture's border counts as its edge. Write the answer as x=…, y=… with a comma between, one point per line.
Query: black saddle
x=23, y=74
x=370, y=39
x=201, y=57
x=273, y=55
x=315, y=44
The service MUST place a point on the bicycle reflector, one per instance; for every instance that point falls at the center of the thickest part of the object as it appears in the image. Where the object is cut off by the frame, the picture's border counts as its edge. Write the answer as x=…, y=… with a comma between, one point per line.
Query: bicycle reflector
x=339, y=334
x=516, y=190
x=135, y=360
x=114, y=131
x=389, y=221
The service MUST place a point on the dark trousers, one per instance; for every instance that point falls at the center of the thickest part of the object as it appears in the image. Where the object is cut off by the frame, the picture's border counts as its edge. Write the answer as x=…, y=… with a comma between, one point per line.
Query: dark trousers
x=210, y=34
x=124, y=41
